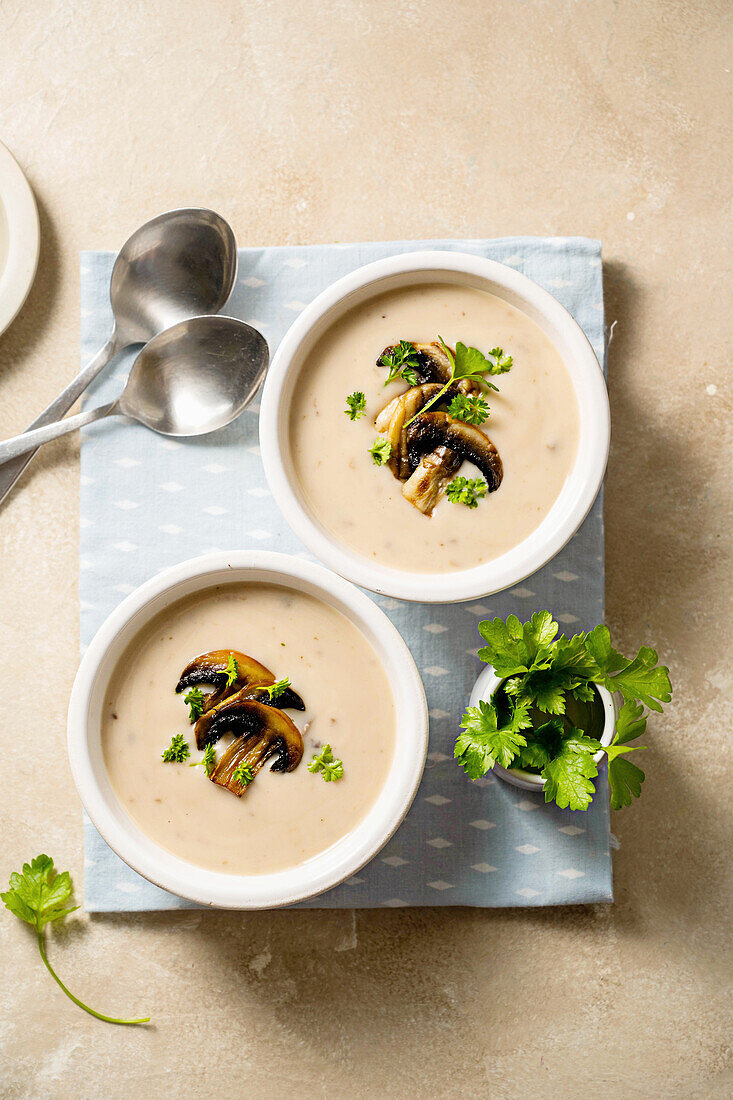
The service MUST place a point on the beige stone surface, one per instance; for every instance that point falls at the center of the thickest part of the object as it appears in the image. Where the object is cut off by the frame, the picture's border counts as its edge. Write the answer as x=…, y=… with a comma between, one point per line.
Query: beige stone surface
x=344, y=121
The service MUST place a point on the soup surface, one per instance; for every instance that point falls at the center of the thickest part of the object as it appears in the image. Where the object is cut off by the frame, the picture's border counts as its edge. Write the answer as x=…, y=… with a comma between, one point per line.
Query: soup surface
x=533, y=424
x=282, y=819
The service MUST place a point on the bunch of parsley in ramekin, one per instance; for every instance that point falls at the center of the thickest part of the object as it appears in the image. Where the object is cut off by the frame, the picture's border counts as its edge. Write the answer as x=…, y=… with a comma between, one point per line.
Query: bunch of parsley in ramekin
x=527, y=725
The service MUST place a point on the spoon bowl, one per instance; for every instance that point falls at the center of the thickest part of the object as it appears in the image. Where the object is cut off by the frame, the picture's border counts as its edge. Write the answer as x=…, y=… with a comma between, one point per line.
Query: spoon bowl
x=191, y=379
x=181, y=264
x=195, y=377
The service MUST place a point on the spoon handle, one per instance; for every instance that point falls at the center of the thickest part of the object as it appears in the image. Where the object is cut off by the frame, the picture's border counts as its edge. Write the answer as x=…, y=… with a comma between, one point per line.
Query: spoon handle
x=58, y=407
x=30, y=440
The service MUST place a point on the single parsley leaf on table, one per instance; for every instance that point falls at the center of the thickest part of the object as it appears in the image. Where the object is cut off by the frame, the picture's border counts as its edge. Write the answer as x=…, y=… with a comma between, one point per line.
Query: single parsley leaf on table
x=178, y=750
x=482, y=743
x=355, y=405
x=243, y=775
x=207, y=761
x=468, y=491
x=471, y=409
x=38, y=896
x=401, y=361
x=194, y=700
x=380, y=450
x=329, y=766
x=231, y=670
x=275, y=690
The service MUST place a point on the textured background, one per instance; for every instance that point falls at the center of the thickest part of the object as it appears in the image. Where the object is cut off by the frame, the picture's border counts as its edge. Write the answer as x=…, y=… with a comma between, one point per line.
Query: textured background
x=393, y=120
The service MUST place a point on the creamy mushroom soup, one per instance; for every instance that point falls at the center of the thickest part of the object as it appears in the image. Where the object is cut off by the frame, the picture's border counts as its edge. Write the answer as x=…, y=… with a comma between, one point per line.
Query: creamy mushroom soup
x=532, y=425
x=283, y=818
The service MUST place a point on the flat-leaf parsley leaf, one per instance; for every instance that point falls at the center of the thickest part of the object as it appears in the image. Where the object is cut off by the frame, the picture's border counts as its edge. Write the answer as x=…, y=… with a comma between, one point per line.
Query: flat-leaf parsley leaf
x=541, y=672
x=38, y=895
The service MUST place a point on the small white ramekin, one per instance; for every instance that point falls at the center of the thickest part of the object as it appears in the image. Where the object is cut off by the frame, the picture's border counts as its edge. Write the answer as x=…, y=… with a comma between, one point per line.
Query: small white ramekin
x=177, y=875
x=485, y=687
x=576, y=496
x=20, y=237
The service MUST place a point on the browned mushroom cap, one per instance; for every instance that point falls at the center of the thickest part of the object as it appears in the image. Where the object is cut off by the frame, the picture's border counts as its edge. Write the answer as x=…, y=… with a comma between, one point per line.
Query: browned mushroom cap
x=395, y=416
x=286, y=700
x=428, y=481
x=434, y=429
x=433, y=365
x=211, y=668
x=262, y=732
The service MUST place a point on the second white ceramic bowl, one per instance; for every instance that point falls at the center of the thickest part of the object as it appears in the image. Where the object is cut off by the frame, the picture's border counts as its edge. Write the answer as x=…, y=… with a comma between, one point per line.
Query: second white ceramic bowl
x=577, y=495
x=188, y=880
x=485, y=687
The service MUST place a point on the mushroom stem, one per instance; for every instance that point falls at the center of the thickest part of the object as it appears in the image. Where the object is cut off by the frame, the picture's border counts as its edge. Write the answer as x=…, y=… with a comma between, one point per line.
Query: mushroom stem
x=424, y=486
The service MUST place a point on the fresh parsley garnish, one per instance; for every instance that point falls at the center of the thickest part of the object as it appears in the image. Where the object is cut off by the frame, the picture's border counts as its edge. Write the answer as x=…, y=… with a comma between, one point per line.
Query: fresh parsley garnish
x=178, y=750
x=275, y=690
x=402, y=361
x=472, y=409
x=468, y=491
x=231, y=670
x=38, y=896
x=380, y=450
x=539, y=670
x=194, y=700
x=326, y=763
x=471, y=364
x=243, y=775
x=355, y=405
x=207, y=761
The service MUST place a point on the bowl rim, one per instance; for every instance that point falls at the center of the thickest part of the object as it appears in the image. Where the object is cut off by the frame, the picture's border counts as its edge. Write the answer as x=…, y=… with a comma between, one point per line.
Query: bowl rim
x=514, y=565
x=24, y=237
x=321, y=872
x=484, y=688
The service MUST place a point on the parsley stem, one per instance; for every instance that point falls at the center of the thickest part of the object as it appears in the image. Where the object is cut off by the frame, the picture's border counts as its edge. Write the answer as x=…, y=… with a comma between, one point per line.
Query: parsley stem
x=70, y=995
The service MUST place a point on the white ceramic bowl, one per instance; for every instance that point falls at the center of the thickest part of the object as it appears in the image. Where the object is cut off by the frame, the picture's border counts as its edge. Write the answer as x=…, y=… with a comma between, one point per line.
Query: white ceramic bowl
x=485, y=687
x=577, y=495
x=186, y=879
x=19, y=237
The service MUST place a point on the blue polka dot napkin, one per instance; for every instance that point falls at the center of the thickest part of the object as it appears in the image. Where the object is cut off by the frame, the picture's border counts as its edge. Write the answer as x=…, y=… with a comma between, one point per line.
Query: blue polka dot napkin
x=462, y=843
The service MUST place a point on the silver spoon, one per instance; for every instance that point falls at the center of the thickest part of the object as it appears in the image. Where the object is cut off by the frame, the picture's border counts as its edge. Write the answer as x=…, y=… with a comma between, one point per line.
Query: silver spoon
x=180, y=264
x=189, y=380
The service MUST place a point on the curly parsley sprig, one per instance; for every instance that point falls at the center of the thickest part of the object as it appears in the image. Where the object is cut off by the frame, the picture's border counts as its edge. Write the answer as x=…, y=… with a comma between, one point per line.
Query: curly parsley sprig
x=380, y=450
x=177, y=752
x=468, y=491
x=402, y=361
x=355, y=405
x=327, y=764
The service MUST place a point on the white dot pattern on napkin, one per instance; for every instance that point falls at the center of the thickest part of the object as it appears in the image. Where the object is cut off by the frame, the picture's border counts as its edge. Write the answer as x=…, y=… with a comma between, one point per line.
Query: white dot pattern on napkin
x=484, y=843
